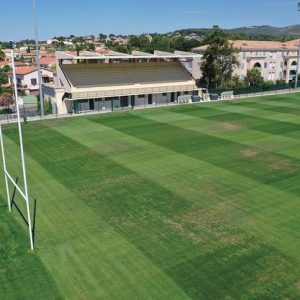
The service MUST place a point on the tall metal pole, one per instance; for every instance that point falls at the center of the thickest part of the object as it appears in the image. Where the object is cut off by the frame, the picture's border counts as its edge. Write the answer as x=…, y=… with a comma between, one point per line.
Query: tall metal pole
x=22, y=151
x=298, y=58
x=38, y=57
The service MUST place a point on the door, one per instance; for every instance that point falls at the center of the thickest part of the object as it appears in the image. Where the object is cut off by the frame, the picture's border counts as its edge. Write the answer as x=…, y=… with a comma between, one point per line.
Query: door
x=76, y=107
x=172, y=97
x=124, y=101
x=132, y=101
x=150, y=99
x=92, y=104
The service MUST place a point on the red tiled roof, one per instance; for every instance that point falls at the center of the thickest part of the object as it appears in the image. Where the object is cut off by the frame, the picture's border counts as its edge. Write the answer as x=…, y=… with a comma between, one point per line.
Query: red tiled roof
x=25, y=70
x=4, y=63
x=20, y=63
x=104, y=51
x=47, y=60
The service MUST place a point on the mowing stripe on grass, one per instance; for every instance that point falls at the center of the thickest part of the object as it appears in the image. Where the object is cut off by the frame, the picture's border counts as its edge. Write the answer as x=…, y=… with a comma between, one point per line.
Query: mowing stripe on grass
x=162, y=216
x=90, y=141
x=82, y=252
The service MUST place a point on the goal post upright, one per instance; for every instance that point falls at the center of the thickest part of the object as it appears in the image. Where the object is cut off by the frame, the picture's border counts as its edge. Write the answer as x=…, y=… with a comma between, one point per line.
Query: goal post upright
x=5, y=170
x=8, y=177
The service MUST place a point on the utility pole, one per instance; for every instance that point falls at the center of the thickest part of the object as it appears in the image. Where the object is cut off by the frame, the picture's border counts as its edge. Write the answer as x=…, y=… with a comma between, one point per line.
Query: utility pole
x=298, y=58
x=38, y=57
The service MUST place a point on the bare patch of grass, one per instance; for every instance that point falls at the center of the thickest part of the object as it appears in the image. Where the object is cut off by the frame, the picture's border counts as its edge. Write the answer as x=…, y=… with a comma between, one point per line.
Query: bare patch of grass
x=251, y=152
x=231, y=126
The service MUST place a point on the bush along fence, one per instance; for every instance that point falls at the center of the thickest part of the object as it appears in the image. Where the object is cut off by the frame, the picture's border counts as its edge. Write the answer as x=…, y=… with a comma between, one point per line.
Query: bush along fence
x=256, y=89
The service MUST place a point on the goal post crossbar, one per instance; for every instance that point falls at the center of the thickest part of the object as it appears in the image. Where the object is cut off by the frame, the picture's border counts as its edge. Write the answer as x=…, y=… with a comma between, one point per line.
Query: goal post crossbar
x=15, y=185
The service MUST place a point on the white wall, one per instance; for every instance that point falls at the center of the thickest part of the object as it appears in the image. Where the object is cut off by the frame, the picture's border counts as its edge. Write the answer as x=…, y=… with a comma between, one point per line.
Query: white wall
x=26, y=79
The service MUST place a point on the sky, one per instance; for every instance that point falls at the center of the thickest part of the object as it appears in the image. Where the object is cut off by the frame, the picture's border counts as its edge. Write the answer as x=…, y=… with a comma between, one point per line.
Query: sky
x=66, y=17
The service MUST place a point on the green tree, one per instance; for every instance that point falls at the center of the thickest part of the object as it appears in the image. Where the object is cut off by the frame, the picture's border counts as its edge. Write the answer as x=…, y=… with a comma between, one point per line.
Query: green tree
x=139, y=42
x=234, y=83
x=121, y=48
x=254, y=78
x=6, y=100
x=2, y=55
x=219, y=59
x=268, y=83
x=3, y=76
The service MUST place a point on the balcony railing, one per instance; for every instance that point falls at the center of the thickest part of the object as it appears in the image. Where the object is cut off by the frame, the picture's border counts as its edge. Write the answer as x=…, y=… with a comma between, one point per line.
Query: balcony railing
x=21, y=86
x=254, y=56
x=131, y=91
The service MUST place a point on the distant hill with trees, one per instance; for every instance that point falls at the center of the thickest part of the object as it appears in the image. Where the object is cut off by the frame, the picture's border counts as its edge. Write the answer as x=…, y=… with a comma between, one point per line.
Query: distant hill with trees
x=264, y=32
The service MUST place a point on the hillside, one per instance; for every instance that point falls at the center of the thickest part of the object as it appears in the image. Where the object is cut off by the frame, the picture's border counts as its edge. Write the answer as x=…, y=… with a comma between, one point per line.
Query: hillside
x=258, y=32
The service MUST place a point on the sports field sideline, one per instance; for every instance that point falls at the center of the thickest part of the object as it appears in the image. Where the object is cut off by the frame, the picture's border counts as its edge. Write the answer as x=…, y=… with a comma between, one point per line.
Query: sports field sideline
x=186, y=202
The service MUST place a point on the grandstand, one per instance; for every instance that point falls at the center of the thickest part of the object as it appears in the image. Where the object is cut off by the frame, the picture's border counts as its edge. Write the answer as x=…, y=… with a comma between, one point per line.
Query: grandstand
x=89, y=81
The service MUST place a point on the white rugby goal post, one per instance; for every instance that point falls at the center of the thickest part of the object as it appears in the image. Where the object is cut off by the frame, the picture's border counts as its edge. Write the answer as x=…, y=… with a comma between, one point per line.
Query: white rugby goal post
x=8, y=177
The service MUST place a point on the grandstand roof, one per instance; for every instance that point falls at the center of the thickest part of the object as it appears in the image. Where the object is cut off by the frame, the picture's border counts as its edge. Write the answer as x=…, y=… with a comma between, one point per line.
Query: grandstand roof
x=88, y=55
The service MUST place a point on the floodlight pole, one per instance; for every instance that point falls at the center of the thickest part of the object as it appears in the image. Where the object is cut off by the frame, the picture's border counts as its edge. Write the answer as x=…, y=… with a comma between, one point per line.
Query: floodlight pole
x=22, y=151
x=298, y=58
x=38, y=57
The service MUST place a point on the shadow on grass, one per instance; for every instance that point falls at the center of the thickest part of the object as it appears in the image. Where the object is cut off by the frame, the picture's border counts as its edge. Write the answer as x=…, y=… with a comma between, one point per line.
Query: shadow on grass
x=14, y=204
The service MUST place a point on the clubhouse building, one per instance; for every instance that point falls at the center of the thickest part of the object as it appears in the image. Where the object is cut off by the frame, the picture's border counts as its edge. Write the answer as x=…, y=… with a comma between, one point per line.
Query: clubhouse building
x=275, y=60
x=109, y=81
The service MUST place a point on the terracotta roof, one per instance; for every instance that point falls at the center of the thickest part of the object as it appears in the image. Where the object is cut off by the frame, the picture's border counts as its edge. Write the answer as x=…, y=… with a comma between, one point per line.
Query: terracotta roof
x=20, y=63
x=7, y=62
x=104, y=51
x=4, y=63
x=25, y=70
x=6, y=85
x=260, y=45
x=47, y=60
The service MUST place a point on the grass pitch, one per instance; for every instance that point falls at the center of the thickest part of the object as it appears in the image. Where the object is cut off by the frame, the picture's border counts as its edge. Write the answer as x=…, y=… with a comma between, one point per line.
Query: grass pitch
x=186, y=202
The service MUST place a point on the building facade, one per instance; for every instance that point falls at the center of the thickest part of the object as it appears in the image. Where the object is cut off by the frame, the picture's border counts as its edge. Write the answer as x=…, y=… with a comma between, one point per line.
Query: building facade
x=113, y=81
x=275, y=60
x=27, y=79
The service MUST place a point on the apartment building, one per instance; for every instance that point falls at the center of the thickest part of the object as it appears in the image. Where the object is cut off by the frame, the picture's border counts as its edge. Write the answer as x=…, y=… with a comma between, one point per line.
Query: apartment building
x=275, y=60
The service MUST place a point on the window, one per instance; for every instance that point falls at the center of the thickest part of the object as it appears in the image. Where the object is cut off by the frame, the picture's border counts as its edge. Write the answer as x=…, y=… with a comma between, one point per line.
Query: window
x=141, y=96
x=186, y=93
x=112, y=98
x=266, y=65
x=33, y=81
x=271, y=76
x=164, y=94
